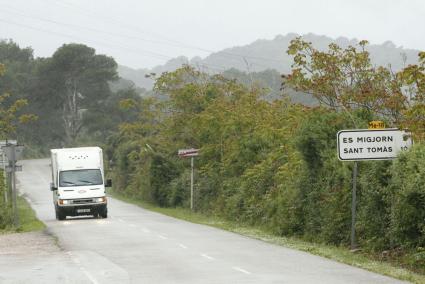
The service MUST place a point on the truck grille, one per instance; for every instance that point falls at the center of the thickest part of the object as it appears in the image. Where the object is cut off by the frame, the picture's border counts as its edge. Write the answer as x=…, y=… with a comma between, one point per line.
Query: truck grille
x=82, y=201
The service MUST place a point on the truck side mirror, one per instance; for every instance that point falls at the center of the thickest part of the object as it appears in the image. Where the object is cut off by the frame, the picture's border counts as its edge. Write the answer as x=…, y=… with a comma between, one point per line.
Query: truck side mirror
x=52, y=187
x=108, y=183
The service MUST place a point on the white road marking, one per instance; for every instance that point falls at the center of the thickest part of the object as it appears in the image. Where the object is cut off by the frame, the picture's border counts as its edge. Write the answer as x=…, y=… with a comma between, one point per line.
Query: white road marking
x=132, y=225
x=145, y=230
x=182, y=246
x=28, y=199
x=241, y=270
x=85, y=272
x=207, y=256
x=121, y=220
x=162, y=237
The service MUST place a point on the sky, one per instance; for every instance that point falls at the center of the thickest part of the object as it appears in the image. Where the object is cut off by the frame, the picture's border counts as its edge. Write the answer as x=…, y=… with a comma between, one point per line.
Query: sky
x=143, y=34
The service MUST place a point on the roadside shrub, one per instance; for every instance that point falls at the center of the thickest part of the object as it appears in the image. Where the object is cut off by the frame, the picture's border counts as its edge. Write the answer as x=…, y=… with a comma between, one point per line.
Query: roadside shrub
x=325, y=193
x=179, y=191
x=284, y=209
x=124, y=164
x=408, y=199
x=374, y=204
x=162, y=171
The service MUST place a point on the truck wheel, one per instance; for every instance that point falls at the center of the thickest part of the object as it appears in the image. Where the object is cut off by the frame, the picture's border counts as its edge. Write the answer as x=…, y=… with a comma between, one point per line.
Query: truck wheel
x=60, y=215
x=104, y=213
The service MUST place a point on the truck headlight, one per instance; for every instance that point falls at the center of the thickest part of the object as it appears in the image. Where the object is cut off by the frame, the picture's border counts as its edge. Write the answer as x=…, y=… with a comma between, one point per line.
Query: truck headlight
x=101, y=199
x=64, y=202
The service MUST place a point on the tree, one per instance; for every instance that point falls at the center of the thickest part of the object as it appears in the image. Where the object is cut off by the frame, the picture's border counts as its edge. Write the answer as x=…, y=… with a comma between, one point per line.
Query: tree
x=19, y=62
x=74, y=80
x=413, y=78
x=345, y=80
x=8, y=112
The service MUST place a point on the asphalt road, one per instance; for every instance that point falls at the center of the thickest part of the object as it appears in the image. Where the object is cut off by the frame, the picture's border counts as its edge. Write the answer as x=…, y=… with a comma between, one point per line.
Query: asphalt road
x=134, y=245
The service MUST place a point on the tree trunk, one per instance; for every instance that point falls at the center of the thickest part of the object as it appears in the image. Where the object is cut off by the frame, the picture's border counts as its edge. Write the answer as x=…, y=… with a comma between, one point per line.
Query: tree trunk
x=71, y=114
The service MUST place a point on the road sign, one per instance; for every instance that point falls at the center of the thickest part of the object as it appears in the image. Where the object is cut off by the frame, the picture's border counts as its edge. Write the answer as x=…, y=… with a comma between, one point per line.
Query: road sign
x=9, y=169
x=13, y=152
x=4, y=143
x=188, y=152
x=3, y=161
x=376, y=124
x=364, y=144
x=8, y=142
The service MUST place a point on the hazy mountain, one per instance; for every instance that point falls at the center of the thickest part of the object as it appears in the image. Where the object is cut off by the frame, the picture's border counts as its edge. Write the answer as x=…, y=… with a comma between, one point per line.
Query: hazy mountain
x=138, y=75
x=264, y=55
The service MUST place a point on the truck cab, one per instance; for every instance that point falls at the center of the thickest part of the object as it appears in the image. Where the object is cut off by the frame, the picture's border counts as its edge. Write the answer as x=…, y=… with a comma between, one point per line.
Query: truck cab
x=78, y=182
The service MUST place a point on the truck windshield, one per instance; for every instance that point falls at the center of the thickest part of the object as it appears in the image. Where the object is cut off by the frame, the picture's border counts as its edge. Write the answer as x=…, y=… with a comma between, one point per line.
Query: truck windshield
x=80, y=178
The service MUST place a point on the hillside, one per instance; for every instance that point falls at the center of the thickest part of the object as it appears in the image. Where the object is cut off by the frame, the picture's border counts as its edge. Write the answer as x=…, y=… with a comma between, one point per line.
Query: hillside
x=264, y=54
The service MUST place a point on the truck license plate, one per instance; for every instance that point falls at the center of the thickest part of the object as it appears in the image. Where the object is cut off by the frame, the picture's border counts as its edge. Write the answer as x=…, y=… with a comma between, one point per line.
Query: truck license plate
x=83, y=210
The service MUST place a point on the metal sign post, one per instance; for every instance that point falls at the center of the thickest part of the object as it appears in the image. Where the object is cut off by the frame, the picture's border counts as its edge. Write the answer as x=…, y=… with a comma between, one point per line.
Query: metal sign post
x=13, y=152
x=4, y=163
x=14, y=195
x=184, y=153
x=353, y=243
x=191, y=184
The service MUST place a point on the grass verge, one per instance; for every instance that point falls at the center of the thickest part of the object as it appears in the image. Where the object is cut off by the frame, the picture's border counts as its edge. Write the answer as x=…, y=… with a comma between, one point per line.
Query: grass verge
x=340, y=254
x=28, y=222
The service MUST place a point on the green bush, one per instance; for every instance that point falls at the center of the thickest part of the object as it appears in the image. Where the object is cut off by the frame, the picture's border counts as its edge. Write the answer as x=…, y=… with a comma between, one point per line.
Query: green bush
x=325, y=192
x=408, y=199
x=374, y=204
x=162, y=171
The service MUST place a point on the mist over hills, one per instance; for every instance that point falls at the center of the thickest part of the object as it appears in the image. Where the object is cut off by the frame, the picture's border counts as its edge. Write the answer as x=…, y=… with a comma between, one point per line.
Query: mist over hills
x=264, y=54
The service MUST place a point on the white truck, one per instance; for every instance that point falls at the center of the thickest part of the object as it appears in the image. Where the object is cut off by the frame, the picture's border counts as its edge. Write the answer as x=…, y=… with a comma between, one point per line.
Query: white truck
x=78, y=183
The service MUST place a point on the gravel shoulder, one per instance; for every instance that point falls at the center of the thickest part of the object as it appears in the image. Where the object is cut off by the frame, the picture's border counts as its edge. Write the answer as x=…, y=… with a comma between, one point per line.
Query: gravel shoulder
x=34, y=257
x=22, y=244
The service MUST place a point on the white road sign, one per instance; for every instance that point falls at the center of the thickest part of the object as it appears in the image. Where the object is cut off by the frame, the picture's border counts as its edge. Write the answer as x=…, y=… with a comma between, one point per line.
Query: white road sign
x=364, y=144
x=13, y=151
x=8, y=142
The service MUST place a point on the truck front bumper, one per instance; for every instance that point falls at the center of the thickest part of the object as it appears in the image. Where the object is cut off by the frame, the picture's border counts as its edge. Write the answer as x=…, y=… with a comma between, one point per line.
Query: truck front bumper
x=92, y=209
x=75, y=207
